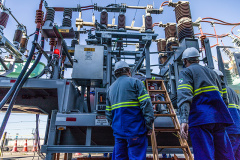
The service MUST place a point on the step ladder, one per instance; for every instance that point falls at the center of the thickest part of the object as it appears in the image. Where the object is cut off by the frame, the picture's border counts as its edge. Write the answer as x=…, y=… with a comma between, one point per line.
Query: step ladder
x=155, y=87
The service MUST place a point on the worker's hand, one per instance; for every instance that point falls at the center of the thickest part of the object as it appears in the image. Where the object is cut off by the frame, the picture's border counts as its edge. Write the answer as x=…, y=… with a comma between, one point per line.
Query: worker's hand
x=184, y=130
x=149, y=133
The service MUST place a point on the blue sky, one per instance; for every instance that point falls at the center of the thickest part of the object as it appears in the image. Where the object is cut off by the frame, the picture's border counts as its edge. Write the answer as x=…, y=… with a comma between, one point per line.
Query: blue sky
x=24, y=11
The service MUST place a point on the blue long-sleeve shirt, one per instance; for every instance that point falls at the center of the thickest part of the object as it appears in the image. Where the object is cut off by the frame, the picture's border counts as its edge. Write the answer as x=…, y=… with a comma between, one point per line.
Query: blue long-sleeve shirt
x=129, y=108
x=201, y=96
x=234, y=110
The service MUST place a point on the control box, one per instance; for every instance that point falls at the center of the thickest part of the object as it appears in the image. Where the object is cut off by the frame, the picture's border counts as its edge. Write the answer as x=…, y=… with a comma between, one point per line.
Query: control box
x=88, y=62
x=100, y=99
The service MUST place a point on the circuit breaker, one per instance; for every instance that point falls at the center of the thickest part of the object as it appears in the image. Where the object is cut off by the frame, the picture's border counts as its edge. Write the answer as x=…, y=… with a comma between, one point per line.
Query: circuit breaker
x=100, y=99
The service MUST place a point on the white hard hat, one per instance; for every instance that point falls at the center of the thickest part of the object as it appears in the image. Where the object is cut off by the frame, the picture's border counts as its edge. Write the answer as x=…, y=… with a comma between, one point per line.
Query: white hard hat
x=120, y=64
x=219, y=72
x=190, y=53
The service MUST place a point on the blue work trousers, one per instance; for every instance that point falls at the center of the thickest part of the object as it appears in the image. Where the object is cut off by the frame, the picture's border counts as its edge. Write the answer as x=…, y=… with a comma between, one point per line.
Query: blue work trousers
x=211, y=142
x=130, y=149
x=235, y=141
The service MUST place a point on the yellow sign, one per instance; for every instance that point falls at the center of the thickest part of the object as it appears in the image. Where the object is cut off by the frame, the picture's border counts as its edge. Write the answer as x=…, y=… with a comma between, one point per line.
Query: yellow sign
x=64, y=30
x=71, y=51
x=89, y=49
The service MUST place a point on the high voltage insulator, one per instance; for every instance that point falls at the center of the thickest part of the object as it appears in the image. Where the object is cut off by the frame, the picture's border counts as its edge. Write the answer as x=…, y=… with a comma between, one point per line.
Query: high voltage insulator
x=39, y=16
x=50, y=14
x=170, y=45
x=184, y=21
x=237, y=42
x=4, y=15
x=185, y=30
x=228, y=76
x=182, y=10
x=148, y=22
x=23, y=43
x=104, y=18
x=227, y=51
x=52, y=42
x=121, y=21
x=18, y=35
x=170, y=31
x=161, y=45
x=171, y=36
x=75, y=40
x=77, y=35
x=67, y=16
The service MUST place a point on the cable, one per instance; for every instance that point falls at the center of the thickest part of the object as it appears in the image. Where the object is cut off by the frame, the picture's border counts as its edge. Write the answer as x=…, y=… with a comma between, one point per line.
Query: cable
x=136, y=10
x=233, y=33
x=6, y=97
x=164, y=3
x=23, y=80
x=12, y=102
x=13, y=88
x=212, y=35
x=220, y=21
x=216, y=19
x=92, y=5
x=215, y=33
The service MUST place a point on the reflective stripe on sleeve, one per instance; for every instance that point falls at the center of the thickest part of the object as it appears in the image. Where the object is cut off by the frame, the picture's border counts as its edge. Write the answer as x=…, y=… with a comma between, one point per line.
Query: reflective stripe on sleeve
x=205, y=89
x=224, y=90
x=233, y=106
x=124, y=104
x=108, y=108
x=143, y=97
x=133, y=105
x=185, y=86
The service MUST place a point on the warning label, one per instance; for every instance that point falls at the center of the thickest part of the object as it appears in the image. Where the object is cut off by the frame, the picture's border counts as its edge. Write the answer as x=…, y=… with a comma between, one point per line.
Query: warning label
x=64, y=30
x=101, y=121
x=89, y=49
x=88, y=55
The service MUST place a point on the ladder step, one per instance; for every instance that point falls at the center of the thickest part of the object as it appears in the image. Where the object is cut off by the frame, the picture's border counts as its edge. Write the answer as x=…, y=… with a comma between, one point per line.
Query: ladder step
x=160, y=102
x=166, y=130
x=152, y=80
x=172, y=146
x=164, y=115
x=157, y=91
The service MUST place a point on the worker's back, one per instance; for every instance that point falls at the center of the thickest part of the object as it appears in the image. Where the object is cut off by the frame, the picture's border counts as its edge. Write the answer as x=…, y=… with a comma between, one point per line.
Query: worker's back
x=201, y=87
x=128, y=120
x=234, y=109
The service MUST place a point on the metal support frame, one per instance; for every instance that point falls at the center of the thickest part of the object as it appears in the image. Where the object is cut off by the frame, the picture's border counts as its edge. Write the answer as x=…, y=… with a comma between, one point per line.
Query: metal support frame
x=88, y=136
x=137, y=66
x=173, y=81
x=52, y=134
x=38, y=47
x=9, y=47
x=83, y=88
x=220, y=61
x=237, y=59
x=96, y=149
x=208, y=54
x=3, y=64
x=47, y=130
x=109, y=65
x=147, y=58
x=186, y=43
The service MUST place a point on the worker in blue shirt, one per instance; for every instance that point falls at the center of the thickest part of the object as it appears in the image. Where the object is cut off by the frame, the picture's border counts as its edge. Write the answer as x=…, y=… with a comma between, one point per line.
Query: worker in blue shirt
x=203, y=109
x=234, y=109
x=130, y=113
